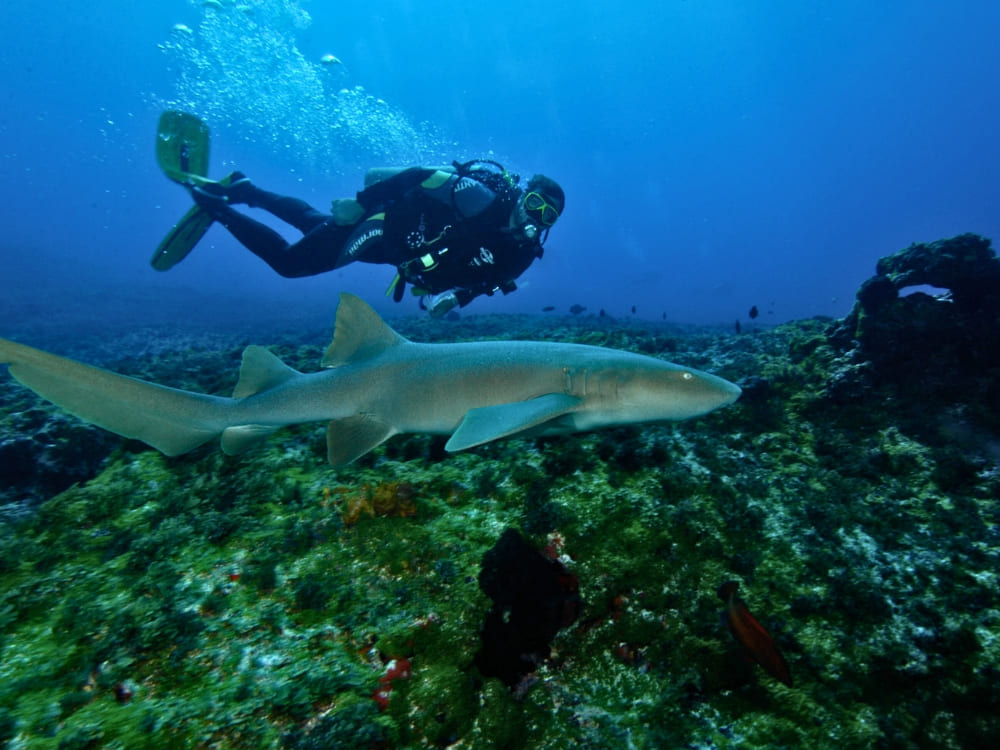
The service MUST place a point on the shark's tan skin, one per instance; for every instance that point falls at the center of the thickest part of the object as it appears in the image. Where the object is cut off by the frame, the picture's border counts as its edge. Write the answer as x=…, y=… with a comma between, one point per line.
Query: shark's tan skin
x=377, y=384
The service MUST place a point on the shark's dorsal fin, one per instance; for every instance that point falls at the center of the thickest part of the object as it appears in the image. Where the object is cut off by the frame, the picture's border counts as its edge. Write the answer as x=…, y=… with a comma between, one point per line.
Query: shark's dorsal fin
x=359, y=333
x=260, y=371
x=492, y=422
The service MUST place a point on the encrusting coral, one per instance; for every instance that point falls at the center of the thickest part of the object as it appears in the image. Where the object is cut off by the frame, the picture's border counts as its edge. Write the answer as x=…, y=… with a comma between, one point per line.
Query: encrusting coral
x=383, y=499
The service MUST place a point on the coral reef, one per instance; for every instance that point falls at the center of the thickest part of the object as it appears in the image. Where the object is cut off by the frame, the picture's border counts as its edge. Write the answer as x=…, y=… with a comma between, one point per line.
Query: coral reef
x=267, y=600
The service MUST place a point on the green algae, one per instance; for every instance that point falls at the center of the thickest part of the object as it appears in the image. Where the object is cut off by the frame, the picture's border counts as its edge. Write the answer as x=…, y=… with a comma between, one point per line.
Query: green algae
x=232, y=598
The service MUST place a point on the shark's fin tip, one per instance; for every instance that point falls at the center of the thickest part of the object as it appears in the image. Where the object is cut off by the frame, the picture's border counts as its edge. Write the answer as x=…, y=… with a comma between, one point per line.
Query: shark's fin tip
x=352, y=437
x=359, y=333
x=261, y=370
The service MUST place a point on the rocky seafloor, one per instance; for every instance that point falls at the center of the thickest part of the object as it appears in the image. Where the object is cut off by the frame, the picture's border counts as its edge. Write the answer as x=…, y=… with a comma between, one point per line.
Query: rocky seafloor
x=269, y=600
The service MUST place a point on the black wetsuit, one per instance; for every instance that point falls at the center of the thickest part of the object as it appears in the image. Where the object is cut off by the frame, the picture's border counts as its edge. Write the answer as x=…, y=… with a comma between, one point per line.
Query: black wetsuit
x=442, y=232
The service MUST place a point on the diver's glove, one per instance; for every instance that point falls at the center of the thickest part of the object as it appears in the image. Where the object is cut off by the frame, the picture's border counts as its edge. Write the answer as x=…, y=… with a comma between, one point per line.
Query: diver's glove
x=441, y=304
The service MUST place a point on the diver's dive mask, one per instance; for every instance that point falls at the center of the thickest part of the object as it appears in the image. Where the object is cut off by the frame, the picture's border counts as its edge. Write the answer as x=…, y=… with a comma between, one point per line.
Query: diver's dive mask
x=539, y=209
x=534, y=214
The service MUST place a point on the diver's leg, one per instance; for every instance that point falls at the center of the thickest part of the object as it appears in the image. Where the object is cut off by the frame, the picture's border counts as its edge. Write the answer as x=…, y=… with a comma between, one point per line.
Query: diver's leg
x=290, y=210
x=364, y=243
x=290, y=261
x=241, y=191
x=259, y=239
x=319, y=250
x=316, y=252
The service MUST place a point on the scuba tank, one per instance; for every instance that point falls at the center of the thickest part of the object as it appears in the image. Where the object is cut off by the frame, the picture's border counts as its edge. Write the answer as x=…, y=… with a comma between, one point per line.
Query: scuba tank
x=383, y=182
x=377, y=174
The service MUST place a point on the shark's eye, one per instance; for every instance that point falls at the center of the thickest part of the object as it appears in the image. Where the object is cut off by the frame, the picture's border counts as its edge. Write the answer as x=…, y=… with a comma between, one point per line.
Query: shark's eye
x=687, y=376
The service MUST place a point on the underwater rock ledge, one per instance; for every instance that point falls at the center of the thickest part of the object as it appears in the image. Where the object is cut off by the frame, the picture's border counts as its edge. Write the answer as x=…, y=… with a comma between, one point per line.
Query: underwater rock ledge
x=941, y=344
x=240, y=602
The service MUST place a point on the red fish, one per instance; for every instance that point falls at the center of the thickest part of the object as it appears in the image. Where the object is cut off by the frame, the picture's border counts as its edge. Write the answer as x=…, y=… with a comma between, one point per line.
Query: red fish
x=752, y=635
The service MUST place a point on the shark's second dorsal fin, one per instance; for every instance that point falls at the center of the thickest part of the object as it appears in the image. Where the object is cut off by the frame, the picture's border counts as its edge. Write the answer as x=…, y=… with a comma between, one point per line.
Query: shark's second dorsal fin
x=359, y=333
x=261, y=370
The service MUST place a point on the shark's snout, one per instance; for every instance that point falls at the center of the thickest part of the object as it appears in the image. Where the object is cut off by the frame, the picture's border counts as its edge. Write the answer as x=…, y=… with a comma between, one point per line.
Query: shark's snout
x=731, y=392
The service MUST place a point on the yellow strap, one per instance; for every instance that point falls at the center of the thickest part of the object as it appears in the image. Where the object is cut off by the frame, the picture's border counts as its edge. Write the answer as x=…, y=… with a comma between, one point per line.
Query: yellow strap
x=392, y=286
x=436, y=180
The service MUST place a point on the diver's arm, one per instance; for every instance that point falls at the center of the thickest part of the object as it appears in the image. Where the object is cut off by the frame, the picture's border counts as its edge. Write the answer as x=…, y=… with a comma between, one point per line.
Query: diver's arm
x=443, y=303
x=465, y=295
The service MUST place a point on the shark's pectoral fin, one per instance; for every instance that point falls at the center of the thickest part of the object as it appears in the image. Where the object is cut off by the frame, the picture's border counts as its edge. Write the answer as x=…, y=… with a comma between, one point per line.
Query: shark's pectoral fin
x=240, y=439
x=493, y=422
x=352, y=437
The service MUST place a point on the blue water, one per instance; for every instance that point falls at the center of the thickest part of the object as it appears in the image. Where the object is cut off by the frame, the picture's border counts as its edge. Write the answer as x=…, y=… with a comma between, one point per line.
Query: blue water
x=716, y=154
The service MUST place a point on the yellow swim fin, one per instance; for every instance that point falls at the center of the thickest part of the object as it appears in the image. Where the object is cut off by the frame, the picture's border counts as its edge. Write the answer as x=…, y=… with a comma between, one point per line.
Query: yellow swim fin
x=184, y=235
x=182, y=145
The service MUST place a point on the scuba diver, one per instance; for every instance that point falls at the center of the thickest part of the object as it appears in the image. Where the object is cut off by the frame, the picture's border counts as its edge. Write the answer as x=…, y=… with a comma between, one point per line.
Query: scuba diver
x=453, y=233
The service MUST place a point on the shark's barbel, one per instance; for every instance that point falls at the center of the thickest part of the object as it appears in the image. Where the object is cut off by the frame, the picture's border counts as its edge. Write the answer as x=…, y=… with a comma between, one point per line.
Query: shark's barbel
x=376, y=383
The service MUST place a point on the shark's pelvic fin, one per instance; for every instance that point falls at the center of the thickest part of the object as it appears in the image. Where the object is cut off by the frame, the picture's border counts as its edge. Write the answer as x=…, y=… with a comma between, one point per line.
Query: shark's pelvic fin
x=491, y=422
x=352, y=437
x=237, y=440
x=359, y=334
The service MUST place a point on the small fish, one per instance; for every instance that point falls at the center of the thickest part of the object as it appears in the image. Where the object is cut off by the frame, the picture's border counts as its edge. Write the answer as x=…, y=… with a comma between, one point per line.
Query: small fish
x=633, y=309
x=754, y=312
x=752, y=635
x=577, y=309
x=548, y=308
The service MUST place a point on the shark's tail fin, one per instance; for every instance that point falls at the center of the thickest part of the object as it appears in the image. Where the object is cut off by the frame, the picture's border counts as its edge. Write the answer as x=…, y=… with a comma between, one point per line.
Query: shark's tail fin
x=171, y=420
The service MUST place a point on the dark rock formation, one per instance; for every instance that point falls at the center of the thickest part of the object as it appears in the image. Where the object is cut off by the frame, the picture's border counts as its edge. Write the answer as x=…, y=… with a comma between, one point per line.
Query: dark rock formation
x=534, y=597
x=941, y=345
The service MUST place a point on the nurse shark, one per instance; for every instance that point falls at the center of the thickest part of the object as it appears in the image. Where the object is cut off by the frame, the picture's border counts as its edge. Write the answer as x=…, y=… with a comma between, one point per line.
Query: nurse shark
x=376, y=384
